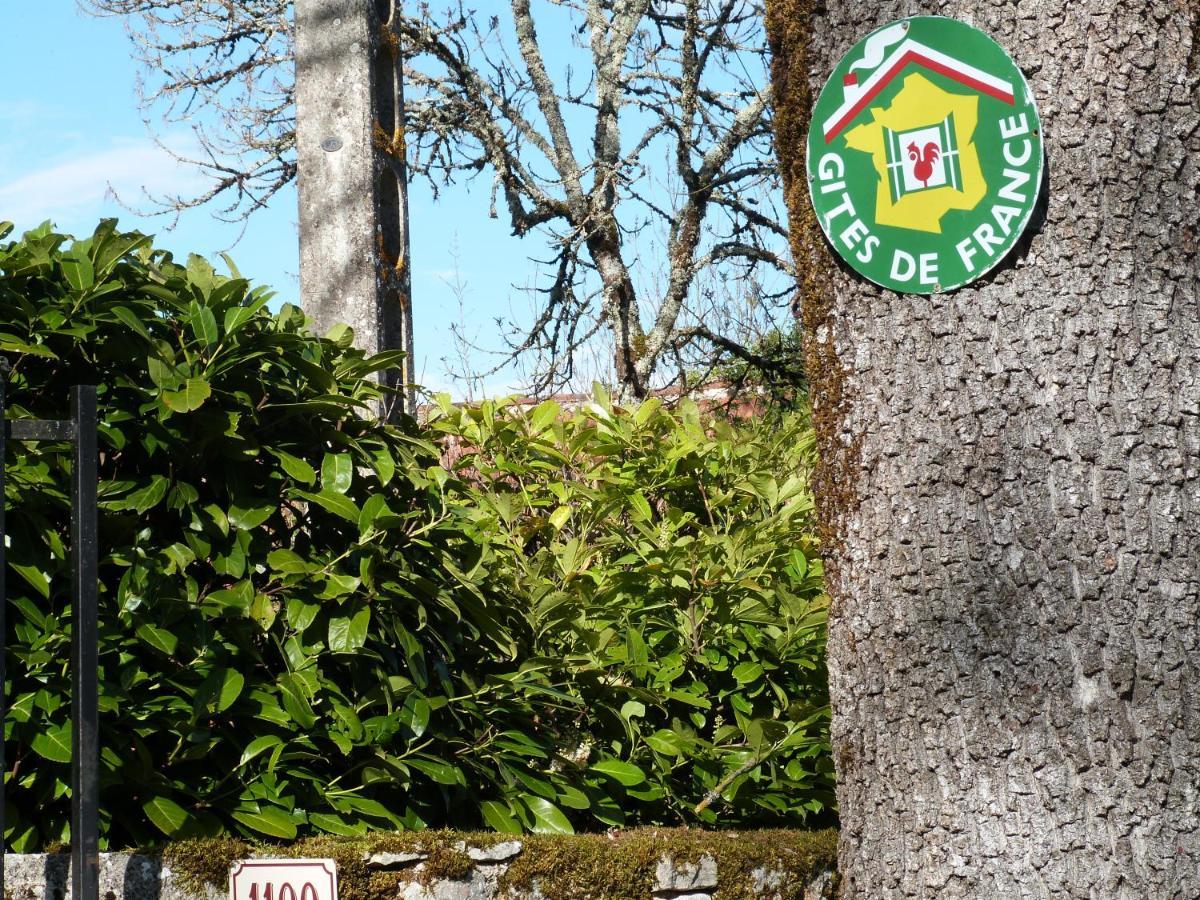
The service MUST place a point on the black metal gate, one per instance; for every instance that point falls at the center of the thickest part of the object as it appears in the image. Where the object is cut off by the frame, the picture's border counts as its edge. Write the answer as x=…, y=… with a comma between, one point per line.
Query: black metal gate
x=80, y=430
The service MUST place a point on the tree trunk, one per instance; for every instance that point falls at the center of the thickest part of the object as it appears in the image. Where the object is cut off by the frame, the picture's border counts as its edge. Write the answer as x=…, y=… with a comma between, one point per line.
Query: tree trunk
x=620, y=309
x=1010, y=485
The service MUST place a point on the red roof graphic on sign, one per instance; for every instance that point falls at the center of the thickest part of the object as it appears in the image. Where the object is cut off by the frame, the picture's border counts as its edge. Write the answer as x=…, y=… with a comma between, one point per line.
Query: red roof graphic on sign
x=909, y=51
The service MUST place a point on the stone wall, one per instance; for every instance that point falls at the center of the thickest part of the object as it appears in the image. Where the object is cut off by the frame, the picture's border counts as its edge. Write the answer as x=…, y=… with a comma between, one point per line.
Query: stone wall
x=132, y=876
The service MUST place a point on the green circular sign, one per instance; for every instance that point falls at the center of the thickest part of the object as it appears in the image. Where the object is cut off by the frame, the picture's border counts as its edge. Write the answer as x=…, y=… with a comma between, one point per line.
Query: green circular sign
x=924, y=155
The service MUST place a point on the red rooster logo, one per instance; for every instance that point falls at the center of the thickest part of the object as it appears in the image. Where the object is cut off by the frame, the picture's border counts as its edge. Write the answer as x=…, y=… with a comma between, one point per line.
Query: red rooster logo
x=924, y=159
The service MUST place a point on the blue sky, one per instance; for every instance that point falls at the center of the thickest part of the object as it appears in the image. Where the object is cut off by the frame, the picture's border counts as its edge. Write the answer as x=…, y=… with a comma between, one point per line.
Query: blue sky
x=71, y=134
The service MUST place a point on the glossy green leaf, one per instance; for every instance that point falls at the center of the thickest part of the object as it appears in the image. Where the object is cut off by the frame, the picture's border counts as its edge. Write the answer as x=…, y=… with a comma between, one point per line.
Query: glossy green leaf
x=129, y=319
x=569, y=796
x=548, y=818
x=543, y=414
x=237, y=316
x=295, y=702
x=632, y=709
x=441, y=772
x=626, y=773
x=192, y=396
x=168, y=816
x=149, y=496
x=296, y=467
x=415, y=714
x=77, y=268
x=249, y=515
x=203, y=324
x=159, y=638
x=335, y=824
x=258, y=746
x=236, y=599
x=34, y=576
x=384, y=465
x=222, y=688
x=270, y=821
x=162, y=374
x=337, y=504
x=349, y=633
x=300, y=613
x=498, y=817
x=287, y=562
x=748, y=672
x=337, y=473
x=53, y=743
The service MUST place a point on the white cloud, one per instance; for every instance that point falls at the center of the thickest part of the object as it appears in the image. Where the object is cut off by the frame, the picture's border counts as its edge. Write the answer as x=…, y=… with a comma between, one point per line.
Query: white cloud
x=81, y=188
x=21, y=112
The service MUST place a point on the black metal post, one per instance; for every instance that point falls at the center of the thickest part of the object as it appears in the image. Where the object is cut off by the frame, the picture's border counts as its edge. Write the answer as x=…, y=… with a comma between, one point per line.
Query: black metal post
x=80, y=429
x=85, y=715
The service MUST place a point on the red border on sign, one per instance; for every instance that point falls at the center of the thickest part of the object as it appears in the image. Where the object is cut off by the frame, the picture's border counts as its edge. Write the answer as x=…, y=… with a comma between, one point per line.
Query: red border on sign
x=911, y=56
x=237, y=867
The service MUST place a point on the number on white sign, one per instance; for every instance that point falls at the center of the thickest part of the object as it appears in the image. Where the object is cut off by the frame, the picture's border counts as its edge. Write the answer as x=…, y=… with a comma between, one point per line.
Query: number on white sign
x=286, y=892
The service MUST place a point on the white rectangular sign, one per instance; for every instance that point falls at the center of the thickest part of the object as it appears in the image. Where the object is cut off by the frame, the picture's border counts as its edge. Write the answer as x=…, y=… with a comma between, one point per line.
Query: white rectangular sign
x=283, y=879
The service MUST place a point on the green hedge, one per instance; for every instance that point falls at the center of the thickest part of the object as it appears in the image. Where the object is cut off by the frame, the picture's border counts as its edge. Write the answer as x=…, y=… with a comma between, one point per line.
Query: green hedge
x=666, y=565
x=308, y=625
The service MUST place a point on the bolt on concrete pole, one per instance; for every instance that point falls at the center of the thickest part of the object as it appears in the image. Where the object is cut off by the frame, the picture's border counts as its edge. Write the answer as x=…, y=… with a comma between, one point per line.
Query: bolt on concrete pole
x=353, y=180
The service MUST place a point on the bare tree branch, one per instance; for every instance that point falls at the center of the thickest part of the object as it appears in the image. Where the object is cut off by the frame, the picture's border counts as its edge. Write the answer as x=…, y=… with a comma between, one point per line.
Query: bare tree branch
x=789, y=368
x=231, y=59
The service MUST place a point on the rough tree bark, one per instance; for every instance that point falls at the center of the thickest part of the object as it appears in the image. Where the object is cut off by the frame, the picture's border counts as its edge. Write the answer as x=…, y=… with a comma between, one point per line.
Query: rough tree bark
x=1011, y=485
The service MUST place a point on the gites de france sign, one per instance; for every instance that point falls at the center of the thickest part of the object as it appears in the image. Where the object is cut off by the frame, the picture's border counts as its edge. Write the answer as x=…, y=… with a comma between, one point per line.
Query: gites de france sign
x=924, y=155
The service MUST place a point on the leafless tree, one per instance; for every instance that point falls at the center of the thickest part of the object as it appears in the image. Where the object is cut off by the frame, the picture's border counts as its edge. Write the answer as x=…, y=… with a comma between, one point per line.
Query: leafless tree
x=642, y=156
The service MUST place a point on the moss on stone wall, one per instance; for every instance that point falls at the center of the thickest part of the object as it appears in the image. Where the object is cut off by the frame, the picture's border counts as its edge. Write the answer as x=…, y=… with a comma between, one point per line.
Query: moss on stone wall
x=616, y=866
x=201, y=863
x=623, y=865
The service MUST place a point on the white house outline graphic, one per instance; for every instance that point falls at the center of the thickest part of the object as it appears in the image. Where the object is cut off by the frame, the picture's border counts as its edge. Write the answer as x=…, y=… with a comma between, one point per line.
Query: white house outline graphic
x=857, y=97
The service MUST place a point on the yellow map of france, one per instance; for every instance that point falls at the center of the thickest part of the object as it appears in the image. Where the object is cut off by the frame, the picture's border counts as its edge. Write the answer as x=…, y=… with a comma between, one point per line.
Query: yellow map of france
x=920, y=103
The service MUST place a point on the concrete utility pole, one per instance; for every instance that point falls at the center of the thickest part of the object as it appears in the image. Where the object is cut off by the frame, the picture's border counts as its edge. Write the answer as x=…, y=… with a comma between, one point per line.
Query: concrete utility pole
x=353, y=181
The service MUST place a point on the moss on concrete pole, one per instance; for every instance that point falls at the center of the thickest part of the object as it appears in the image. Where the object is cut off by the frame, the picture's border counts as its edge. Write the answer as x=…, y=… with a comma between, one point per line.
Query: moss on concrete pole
x=354, y=259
